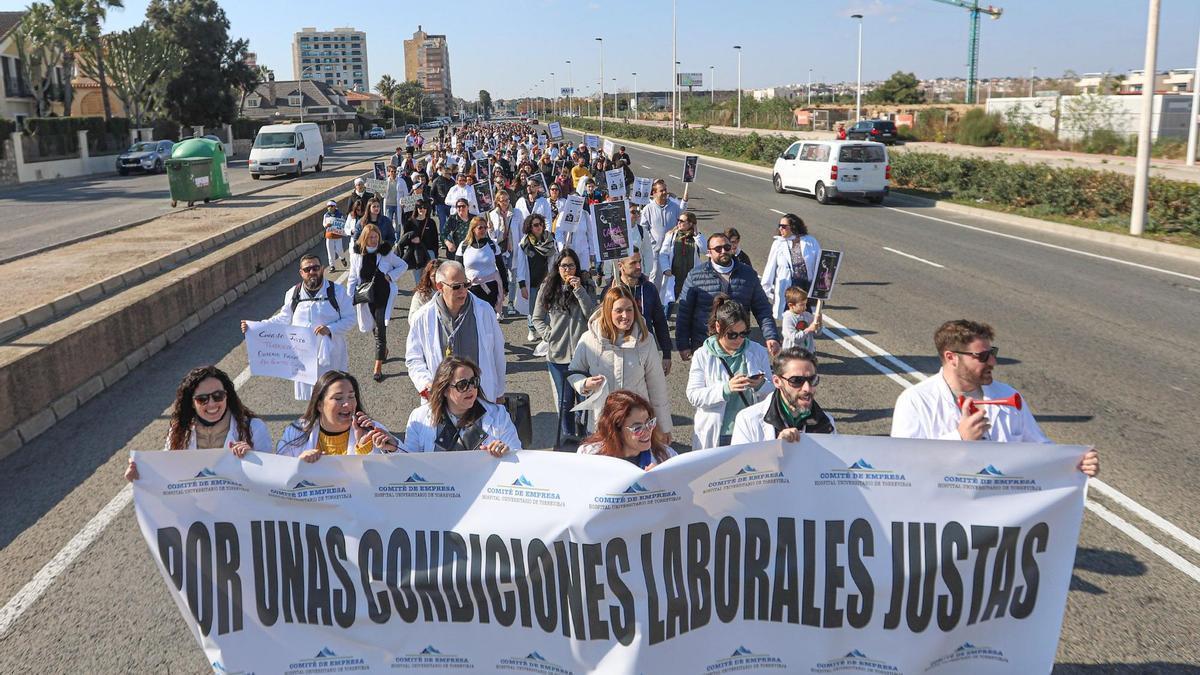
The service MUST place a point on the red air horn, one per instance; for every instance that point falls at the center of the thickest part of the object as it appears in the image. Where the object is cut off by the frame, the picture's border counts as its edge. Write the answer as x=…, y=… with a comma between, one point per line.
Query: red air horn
x=1013, y=401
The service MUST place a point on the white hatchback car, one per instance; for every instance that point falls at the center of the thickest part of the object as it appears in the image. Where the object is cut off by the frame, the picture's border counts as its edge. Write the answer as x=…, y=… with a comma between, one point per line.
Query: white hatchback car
x=831, y=169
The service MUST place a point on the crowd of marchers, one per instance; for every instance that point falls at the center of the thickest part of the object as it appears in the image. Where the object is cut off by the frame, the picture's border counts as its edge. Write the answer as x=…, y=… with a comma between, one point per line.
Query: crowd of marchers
x=478, y=221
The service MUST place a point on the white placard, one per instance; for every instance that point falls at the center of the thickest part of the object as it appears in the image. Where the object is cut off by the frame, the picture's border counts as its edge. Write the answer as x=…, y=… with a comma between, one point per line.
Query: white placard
x=282, y=350
x=614, y=180
x=571, y=215
x=592, y=141
x=641, y=190
x=379, y=187
x=556, y=131
x=335, y=226
x=609, y=148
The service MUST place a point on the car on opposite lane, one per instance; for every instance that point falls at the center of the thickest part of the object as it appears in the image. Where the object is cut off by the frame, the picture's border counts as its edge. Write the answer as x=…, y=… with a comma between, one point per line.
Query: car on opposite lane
x=883, y=131
x=376, y=132
x=148, y=156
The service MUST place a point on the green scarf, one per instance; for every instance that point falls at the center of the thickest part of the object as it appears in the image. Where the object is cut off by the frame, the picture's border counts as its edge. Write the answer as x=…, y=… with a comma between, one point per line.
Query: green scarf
x=734, y=402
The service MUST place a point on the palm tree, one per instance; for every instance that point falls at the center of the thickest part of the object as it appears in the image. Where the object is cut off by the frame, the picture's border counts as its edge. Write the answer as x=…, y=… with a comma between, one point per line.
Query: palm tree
x=85, y=17
x=386, y=86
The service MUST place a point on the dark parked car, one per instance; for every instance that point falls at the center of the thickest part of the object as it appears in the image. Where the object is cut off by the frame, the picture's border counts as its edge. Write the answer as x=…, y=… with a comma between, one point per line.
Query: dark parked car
x=883, y=131
x=148, y=156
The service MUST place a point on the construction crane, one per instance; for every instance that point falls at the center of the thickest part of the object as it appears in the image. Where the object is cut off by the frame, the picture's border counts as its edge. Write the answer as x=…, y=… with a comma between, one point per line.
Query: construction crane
x=975, y=10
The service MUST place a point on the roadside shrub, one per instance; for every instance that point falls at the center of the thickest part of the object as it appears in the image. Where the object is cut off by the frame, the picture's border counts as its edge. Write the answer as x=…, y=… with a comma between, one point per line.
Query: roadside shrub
x=979, y=128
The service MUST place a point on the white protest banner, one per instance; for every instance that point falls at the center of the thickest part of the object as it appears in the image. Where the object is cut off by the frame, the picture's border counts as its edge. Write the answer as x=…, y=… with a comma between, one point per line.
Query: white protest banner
x=836, y=554
x=614, y=180
x=592, y=141
x=335, y=226
x=409, y=202
x=609, y=149
x=379, y=187
x=571, y=215
x=556, y=133
x=641, y=191
x=282, y=350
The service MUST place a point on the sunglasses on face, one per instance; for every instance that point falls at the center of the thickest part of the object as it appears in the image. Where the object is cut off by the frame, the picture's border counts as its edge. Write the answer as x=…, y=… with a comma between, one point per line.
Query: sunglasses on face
x=721, y=248
x=797, y=381
x=216, y=396
x=984, y=356
x=735, y=335
x=567, y=266
x=463, y=385
x=310, y=269
x=455, y=287
x=461, y=206
x=639, y=429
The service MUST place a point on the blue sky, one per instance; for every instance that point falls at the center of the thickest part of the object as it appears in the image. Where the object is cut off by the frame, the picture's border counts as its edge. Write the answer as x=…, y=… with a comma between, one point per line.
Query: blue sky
x=781, y=39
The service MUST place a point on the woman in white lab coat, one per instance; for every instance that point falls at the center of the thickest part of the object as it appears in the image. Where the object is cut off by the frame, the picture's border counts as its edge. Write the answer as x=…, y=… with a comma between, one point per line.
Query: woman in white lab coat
x=372, y=260
x=728, y=374
x=782, y=269
x=335, y=423
x=457, y=417
x=208, y=414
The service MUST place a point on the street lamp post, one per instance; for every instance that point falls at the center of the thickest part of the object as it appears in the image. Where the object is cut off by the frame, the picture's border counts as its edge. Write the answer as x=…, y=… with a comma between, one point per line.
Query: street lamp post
x=739, y=87
x=1141, y=176
x=570, y=87
x=300, y=88
x=553, y=95
x=674, y=67
x=635, y=98
x=858, y=91
x=1191, y=143
x=601, y=41
x=712, y=84
x=810, y=86
x=1032, y=79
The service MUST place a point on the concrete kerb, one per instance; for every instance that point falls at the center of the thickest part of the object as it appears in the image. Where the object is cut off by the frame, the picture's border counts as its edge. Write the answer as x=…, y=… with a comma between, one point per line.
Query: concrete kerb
x=1176, y=251
x=70, y=302
x=245, y=261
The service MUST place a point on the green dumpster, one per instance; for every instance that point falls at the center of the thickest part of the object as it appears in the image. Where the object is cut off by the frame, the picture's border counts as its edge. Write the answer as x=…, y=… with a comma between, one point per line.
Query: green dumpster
x=197, y=171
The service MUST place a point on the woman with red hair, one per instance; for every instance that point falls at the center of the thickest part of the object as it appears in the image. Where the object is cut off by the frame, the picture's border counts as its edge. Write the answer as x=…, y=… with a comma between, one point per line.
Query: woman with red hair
x=626, y=430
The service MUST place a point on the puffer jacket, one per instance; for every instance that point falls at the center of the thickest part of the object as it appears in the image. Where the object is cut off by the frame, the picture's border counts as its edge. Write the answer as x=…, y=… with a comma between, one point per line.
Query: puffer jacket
x=695, y=303
x=634, y=364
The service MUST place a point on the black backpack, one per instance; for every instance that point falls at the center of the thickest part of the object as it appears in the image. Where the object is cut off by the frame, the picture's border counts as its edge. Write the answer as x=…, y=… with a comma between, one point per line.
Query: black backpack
x=328, y=294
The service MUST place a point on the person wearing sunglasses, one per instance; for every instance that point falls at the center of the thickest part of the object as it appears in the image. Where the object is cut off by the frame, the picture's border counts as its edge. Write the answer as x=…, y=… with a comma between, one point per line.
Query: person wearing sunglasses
x=560, y=317
x=457, y=226
x=418, y=242
x=721, y=274
x=375, y=271
x=931, y=409
x=457, y=417
x=791, y=409
x=681, y=251
x=616, y=352
x=728, y=374
x=323, y=306
x=207, y=414
x=463, y=189
x=335, y=423
x=628, y=430
x=792, y=261
x=456, y=322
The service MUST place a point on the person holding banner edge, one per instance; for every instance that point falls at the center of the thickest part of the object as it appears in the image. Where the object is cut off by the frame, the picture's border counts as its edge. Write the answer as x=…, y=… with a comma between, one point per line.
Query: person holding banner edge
x=627, y=430
x=335, y=423
x=457, y=417
x=964, y=402
x=208, y=413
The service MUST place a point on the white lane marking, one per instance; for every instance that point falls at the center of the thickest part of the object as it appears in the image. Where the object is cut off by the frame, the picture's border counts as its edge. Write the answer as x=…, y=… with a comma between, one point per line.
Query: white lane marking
x=1176, y=532
x=675, y=177
x=779, y=212
x=1128, y=529
x=30, y=592
x=716, y=191
x=1145, y=513
x=1194, y=290
x=909, y=255
x=647, y=167
x=1049, y=245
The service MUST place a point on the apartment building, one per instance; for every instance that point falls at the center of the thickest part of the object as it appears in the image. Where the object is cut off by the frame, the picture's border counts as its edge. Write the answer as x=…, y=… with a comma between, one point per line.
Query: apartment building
x=427, y=61
x=337, y=57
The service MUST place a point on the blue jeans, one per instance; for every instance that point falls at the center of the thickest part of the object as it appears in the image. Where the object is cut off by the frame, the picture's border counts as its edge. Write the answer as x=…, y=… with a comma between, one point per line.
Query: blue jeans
x=390, y=212
x=532, y=303
x=443, y=214
x=566, y=400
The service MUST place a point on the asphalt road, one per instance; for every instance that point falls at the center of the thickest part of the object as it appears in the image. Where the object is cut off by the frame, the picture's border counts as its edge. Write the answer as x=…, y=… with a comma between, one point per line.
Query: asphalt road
x=1102, y=350
x=35, y=215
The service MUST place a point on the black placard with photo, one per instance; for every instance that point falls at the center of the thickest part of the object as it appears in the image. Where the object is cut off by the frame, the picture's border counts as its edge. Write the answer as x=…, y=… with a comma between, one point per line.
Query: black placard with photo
x=483, y=195
x=826, y=276
x=612, y=229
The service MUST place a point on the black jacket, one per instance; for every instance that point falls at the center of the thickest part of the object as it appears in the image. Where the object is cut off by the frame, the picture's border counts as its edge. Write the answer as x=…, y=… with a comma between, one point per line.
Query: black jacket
x=702, y=286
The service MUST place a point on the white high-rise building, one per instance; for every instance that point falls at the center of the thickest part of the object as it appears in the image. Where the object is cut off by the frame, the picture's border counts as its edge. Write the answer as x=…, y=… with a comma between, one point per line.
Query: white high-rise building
x=336, y=57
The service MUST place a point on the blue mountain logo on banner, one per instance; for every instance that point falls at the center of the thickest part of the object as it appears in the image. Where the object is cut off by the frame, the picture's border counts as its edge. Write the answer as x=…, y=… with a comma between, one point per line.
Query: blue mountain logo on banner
x=855, y=654
x=990, y=470
x=635, y=488
x=534, y=656
x=430, y=650
x=522, y=481
x=965, y=646
x=325, y=653
x=206, y=473
x=303, y=485
x=741, y=651
x=862, y=465
x=746, y=469
x=415, y=478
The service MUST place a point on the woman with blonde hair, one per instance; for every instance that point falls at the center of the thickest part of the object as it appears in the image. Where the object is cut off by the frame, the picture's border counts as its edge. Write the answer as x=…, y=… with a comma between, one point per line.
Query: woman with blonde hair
x=372, y=282
x=616, y=353
x=480, y=257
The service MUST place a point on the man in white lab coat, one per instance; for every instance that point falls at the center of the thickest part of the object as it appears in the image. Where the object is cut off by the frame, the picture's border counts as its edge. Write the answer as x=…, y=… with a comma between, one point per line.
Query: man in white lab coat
x=325, y=307
x=658, y=217
x=932, y=409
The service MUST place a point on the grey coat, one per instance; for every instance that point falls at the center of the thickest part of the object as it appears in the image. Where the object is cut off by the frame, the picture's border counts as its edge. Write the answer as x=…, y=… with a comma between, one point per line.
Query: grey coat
x=562, y=330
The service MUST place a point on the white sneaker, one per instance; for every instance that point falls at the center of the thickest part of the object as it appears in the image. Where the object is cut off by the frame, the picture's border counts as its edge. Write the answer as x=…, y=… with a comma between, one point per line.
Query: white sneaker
x=531, y=337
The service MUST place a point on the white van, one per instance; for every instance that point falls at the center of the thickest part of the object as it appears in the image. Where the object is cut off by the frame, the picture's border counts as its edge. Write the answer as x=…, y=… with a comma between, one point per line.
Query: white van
x=287, y=148
x=831, y=169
